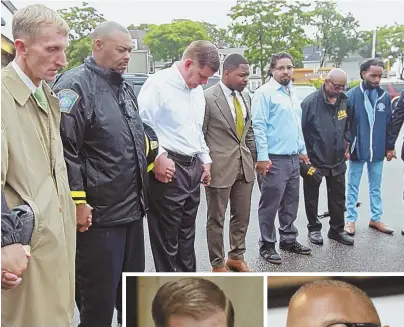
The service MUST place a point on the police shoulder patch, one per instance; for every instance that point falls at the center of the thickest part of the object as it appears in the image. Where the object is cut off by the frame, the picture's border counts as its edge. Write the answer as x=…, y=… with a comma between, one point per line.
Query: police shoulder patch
x=67, y=99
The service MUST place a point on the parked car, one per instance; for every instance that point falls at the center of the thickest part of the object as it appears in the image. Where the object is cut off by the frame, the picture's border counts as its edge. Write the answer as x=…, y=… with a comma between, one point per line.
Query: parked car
x=303, y=90
x=136, y=80
x=394, y=87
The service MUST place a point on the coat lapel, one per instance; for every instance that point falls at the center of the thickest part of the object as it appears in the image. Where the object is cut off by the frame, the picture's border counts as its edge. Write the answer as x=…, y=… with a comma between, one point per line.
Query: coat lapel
x=223, y=106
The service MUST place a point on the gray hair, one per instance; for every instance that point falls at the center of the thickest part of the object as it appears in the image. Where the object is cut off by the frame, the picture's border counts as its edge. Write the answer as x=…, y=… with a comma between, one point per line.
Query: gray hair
x=28, y=21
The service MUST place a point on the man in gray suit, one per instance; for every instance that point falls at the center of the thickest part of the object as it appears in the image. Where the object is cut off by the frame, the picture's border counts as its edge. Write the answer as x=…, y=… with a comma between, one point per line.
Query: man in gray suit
x=230, y=138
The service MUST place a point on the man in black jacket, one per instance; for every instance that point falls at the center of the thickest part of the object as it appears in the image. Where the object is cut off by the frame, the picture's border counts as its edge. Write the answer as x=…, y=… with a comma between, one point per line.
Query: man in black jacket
x=397, y=121
x=104, y=146
x=16, y=230
x=324, y=124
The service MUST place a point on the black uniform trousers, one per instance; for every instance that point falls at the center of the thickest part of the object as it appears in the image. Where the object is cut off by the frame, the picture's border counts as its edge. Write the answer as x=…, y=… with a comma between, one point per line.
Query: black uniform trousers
x=172, y=212
x=103, y=253
x=336, y=202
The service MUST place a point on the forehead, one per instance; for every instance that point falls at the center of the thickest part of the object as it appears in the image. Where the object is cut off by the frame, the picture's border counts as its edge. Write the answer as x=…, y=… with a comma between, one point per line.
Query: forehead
x=120, y=37
x=243, y=68
x=375, y=70
x=318, y=306
x=51, y=35
x=217, y=319
x=339, y=79
x=283, y=62
x=206, y=71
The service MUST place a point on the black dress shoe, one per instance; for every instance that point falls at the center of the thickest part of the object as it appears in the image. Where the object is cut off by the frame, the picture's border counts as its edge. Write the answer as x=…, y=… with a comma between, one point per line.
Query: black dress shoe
x=402, y=231
x=295, y=247
x=269, y=253
x=316, y=238
x=341, y=237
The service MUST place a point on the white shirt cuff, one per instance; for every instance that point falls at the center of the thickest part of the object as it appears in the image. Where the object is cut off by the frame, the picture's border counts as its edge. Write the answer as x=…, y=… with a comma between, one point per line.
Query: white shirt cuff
x=161, y=151
x=205, y=157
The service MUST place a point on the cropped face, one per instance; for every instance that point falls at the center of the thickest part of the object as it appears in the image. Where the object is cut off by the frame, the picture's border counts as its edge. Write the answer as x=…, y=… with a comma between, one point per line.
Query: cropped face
x=335, y=86
x=114, y=50
x=237, y=78
x=372, y=76
x=45, y=54
x=283, y=71
x=217, y=319
x=196, y=75
x=330, y=307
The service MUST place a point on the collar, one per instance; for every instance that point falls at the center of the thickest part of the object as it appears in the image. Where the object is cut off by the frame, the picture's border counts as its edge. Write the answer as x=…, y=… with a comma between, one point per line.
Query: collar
x=227, y=92
x=278, y=86
x=110, y=75
x=380, y=92
x=179, y=79
x=27, y=81
x=341, y=96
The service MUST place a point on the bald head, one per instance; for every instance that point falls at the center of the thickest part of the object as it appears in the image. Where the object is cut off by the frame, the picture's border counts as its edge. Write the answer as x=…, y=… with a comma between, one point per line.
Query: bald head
x=337, y=73
x=335, y=82
x=108, y=28
x=112, y=46
x=324, y=302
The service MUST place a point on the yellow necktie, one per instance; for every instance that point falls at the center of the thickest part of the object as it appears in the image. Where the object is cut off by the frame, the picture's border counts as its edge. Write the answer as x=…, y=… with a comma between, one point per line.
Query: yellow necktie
x=41, y=98
x=239, y=116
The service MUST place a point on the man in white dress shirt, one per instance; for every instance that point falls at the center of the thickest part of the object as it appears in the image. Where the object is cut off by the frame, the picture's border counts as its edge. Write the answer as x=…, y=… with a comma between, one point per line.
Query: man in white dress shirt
x=230, y=138
x=172, y=102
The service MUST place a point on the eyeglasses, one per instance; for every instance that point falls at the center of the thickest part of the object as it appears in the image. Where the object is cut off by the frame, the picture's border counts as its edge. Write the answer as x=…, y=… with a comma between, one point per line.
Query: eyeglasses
x=353, y=324
x=284, y=68
x=337, y=86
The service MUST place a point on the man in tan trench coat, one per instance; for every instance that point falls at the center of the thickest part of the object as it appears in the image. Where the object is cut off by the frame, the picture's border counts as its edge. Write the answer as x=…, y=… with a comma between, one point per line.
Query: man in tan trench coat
x=33, y=171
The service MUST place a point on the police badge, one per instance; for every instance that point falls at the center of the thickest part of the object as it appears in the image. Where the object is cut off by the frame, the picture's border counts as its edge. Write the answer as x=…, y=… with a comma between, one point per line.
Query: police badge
x=67, y=98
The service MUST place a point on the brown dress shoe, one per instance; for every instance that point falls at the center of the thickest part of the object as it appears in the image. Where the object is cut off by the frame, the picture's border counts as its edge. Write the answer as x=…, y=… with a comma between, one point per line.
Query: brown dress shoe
x=238, y=265
x=220, y=269
x=350, y=228
x=381, y=227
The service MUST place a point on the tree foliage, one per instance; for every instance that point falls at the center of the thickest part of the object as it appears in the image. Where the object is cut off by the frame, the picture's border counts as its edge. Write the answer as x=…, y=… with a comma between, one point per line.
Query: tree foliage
x=82, y=22
x=336, y=35
x=168, y=41
x=221, y=37
x=268, y=27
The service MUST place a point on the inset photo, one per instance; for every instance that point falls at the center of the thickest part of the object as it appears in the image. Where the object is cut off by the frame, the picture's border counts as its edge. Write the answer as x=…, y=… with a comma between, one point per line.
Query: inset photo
x=191, y=301
x=354, y=301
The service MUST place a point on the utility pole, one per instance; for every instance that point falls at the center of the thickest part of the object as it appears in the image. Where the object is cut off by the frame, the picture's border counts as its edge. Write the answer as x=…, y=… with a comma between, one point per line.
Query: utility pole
x=374, y=43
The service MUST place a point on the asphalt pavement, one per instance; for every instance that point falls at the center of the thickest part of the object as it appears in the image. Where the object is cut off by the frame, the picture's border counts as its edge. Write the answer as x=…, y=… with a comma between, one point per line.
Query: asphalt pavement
x=372, y=252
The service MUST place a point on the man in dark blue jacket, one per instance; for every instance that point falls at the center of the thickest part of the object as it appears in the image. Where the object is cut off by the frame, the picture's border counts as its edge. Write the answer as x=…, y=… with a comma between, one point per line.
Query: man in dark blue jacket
x=369, y=136
x=397, y=121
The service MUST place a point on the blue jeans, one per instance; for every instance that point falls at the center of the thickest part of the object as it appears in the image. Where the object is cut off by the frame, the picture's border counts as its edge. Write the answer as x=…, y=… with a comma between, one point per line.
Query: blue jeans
x=375, y=171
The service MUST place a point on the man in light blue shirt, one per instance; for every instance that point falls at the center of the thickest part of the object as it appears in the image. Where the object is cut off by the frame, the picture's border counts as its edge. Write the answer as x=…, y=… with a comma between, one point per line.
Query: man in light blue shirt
x=276, y=115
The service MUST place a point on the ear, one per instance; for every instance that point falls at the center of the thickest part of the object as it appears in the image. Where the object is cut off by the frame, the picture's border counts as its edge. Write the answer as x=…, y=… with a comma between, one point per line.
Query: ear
x=188, y=63
x=20, y=47
x=98, y=44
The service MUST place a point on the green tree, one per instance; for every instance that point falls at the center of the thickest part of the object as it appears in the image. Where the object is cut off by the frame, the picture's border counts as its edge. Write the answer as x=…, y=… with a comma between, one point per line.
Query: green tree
x=82, y=22
x=168, y=41
x=221, y=37
x=268, y=27
x=390, y=42
x=144, y=27
x=336, y=34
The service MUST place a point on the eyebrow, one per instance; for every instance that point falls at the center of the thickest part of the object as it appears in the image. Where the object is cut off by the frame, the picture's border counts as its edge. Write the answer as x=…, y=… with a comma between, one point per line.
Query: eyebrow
x=333, y=322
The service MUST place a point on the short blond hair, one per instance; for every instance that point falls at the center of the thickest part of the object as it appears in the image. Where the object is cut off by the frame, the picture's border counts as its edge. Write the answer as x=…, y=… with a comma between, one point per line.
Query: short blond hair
x=205, y=53
x=28, y=21
x=193, y=297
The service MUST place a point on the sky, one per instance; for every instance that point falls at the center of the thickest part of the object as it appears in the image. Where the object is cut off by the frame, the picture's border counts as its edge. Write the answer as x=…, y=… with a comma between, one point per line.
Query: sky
x=367, y=12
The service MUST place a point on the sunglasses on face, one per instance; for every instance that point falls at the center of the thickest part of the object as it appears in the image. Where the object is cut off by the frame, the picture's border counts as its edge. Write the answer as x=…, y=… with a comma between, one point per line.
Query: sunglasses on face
x=353, y=324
